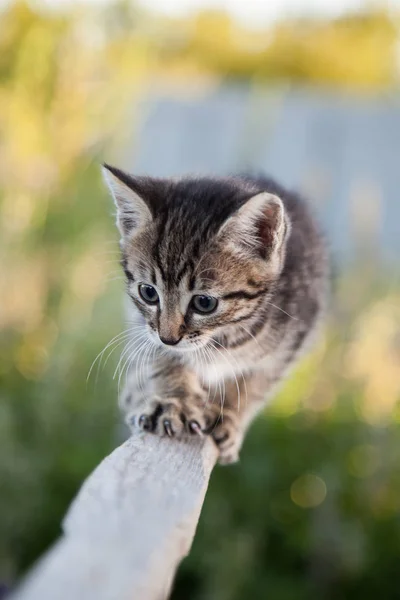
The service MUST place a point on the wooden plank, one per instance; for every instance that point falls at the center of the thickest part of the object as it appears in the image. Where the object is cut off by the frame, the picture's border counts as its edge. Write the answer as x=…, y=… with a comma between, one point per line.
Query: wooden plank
x=129, y=526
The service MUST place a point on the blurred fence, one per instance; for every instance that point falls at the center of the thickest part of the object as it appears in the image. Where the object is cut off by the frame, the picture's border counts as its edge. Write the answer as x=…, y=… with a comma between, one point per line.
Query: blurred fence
x=342, y=151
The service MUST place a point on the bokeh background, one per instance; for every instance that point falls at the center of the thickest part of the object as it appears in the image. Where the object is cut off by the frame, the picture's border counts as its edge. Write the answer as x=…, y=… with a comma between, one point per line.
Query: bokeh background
x=305, y=91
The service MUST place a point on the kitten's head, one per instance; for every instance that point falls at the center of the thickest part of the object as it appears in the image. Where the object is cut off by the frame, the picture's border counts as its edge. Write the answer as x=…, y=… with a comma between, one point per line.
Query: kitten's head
x=199, y=254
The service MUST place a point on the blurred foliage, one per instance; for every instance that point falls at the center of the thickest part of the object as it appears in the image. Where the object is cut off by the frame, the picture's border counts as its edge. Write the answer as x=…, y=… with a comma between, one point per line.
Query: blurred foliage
x=357, y=52
x=67, y=83
x=313, y=509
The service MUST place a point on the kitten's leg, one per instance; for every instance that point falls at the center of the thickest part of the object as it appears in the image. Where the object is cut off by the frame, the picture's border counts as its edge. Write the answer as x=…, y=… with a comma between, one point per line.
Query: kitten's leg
x=169, y=400
x=243, y=400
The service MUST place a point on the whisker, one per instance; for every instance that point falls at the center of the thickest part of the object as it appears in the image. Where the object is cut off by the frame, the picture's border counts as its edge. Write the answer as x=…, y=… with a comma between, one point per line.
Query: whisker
x=203, y=360
x=130, y=344
x=207, y=351
x=138, y=253
x=114, y=272
x=197, y=359
x=112, y=256
x=133, y=354
x=139, y=364
x=207, y=279
x=153, y=354
x=211, y=361
x=232, y=369
x=113, y=350
x=250, y=334
x=145, y=361
x=127, y=348
x=138, y=328
x=199, y=263
x=110, y=262
x=203, y=271
x=241, y=372
x=284, y=311
x=127, y=365
x=100, y=354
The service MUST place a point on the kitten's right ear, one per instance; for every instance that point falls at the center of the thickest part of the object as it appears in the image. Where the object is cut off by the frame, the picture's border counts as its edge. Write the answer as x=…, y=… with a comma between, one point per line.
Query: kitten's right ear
x=133, y=212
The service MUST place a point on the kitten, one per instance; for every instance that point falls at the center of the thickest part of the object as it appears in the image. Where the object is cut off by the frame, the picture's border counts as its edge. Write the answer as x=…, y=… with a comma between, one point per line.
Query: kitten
x=227, y=280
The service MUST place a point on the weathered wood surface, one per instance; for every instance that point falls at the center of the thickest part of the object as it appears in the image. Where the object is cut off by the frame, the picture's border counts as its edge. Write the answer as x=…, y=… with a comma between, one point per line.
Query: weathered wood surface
x=129, y=526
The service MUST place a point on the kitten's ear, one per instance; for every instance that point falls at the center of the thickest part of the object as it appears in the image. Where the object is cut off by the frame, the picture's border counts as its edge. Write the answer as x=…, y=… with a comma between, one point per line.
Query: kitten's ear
x=260, y=226
x=132, y=210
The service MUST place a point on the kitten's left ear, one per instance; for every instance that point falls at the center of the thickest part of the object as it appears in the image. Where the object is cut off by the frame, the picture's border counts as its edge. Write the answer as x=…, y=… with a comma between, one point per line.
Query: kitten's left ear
x=260, y=226
x=133, y=212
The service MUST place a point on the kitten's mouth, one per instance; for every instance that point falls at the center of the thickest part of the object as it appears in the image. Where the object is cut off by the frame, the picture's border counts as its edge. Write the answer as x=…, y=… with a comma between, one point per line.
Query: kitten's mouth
x=181, y=346
x=190, y=347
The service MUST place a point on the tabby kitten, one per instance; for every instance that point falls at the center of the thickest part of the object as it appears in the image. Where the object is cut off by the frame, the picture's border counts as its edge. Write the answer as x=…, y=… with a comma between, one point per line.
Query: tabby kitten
x=227, y=280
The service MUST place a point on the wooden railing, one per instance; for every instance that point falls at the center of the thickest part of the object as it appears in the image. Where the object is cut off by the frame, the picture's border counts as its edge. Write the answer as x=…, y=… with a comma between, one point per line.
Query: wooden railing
x=129, y=526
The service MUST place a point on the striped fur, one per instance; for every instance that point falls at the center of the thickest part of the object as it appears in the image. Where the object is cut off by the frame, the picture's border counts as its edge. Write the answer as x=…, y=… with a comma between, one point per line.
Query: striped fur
x=248, y=243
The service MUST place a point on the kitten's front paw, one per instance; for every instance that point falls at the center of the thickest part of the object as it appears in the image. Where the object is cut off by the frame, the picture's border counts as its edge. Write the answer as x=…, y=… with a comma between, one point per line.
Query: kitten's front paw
x=171, y=417
x=228, y=436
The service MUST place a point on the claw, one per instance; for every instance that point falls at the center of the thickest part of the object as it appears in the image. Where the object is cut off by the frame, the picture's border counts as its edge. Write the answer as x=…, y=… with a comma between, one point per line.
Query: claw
x=195, y=428
x=144, y=422
x=168, y=428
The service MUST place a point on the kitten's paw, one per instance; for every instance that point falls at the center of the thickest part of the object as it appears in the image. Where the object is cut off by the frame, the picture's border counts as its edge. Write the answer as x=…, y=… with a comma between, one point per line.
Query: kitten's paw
x=170, y=417
x=229, y=438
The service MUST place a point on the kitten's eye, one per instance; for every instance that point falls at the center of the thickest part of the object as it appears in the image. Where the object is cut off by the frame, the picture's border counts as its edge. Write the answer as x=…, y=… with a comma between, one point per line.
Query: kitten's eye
x=148, y=293
x=204, y=304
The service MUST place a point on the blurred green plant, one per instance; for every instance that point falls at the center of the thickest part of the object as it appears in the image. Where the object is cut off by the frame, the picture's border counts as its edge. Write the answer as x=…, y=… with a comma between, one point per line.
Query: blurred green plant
x=67, y=84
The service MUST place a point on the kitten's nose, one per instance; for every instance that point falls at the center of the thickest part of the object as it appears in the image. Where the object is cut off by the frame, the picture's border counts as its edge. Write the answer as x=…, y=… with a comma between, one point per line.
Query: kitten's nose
x=170, y=341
